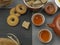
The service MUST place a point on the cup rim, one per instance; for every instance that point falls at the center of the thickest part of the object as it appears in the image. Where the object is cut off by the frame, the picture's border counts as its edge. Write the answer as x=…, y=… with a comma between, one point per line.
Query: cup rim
x=41, y=38
x=32, y=7
x=42, y=18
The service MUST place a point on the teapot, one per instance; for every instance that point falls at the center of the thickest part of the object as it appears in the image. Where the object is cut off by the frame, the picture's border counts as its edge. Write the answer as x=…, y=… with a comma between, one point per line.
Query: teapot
x=56, y=25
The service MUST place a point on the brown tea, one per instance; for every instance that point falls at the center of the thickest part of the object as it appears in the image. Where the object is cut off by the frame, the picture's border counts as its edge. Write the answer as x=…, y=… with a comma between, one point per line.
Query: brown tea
x=37, y=19
x=45, y=35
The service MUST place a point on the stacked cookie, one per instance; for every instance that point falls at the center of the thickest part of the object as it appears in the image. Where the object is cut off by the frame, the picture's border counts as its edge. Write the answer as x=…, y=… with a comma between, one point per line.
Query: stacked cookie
x=15, y=13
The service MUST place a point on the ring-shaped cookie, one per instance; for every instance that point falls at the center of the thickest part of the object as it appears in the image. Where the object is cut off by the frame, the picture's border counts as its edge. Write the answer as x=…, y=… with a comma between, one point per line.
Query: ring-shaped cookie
x=20, y=8
x=14, y=12
x=12, y=20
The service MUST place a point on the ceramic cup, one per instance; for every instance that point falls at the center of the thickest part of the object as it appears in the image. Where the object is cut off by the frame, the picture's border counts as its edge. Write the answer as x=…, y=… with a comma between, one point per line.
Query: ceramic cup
x=56, y=8
x=39, y=35
x=43, y=19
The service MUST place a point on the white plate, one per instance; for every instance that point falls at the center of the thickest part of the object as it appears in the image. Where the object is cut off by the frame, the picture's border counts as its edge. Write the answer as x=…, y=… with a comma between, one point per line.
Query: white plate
x=57, y=3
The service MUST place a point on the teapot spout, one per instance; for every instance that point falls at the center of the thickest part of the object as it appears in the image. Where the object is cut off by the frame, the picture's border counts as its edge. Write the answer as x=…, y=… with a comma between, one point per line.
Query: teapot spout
x=51, y=25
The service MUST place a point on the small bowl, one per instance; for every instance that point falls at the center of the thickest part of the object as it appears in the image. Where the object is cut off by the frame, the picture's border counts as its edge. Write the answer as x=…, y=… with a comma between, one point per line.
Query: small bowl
x=32, y=7
x=39, y=35
x=57, y=3
x=43, y=19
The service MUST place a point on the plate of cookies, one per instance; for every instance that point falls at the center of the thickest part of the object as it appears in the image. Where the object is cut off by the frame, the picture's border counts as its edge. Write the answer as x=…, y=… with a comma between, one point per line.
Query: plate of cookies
x=33, y=21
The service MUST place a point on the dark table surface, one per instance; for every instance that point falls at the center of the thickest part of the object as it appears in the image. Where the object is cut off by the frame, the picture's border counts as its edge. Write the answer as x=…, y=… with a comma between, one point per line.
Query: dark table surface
x=25, y=36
